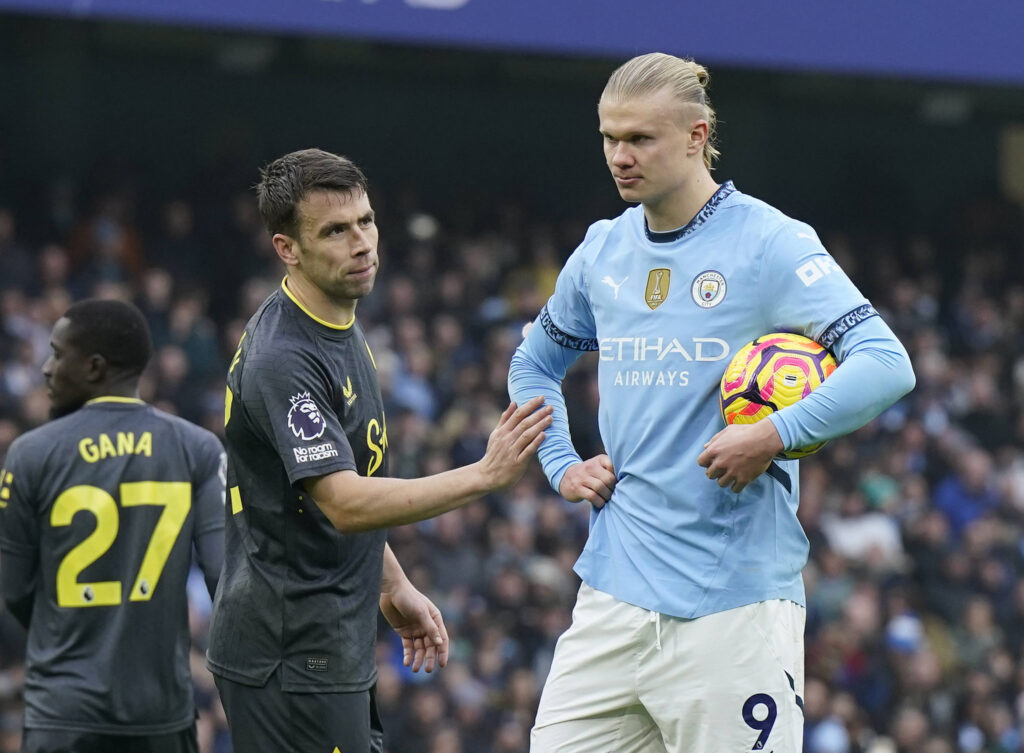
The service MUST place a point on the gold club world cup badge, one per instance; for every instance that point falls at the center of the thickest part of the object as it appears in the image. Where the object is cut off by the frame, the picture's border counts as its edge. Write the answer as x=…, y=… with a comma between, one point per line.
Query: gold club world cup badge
x=708, y=289
x=657, y=287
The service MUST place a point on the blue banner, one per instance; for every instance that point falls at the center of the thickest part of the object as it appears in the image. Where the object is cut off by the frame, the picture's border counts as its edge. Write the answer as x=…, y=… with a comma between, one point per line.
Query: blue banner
x=933, y=39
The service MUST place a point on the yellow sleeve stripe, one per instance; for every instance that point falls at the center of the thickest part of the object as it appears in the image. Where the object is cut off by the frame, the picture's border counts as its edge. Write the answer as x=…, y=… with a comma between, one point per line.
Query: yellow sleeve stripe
x=228, y=400
x=236, y=501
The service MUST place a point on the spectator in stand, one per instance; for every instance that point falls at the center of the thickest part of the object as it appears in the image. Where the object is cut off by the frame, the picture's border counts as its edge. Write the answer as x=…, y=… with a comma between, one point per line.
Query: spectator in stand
x=107, y=247
x=967, y=494
x=15, y=260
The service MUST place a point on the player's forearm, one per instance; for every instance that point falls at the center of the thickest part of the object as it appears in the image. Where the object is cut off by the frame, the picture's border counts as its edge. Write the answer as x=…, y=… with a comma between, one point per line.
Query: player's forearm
x=538, y=368
x=356, y=503
x=870, y=379
x=392, y=573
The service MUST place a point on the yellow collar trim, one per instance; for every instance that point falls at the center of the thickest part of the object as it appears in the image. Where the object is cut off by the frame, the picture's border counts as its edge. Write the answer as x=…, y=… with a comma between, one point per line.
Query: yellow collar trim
x=309, y=313
x=115, y=399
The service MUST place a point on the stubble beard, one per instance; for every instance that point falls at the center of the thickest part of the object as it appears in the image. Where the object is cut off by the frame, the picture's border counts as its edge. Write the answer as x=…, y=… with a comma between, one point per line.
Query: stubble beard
x=345, y=290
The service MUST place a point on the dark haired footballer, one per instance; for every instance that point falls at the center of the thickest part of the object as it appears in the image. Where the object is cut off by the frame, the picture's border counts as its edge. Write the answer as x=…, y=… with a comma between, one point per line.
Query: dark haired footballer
x=99, y=510
x=306, y=564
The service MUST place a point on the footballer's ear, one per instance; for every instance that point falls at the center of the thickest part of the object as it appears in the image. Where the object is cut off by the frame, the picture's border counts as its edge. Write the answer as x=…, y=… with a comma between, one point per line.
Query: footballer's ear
x=95, y=368
x=287, y=248
x=698, y=136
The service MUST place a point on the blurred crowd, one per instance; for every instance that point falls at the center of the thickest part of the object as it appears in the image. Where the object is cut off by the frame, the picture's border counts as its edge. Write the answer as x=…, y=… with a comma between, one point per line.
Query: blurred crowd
x=915, y=622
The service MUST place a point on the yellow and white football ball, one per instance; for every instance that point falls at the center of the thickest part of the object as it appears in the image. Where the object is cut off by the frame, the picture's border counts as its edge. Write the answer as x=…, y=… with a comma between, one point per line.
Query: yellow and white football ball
x=771, y=373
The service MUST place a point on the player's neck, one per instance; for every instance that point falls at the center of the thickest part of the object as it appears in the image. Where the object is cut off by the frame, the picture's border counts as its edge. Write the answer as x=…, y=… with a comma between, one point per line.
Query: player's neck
x=128, y=390
x=318, y=304
x=678, y=209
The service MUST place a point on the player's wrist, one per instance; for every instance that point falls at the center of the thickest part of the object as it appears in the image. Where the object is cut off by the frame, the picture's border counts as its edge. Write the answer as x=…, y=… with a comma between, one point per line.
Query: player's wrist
x=392, y=576
x=390, y=586
x=770, y=436
x=486, y=477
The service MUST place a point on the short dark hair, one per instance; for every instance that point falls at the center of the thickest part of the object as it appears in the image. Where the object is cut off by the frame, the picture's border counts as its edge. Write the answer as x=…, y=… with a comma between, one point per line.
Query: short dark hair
x=287, y=180
x=115, y=330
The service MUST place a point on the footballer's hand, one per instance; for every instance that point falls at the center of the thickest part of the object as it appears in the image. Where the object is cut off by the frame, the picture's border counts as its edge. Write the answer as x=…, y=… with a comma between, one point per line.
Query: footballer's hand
x=739, y=453
x=592, y=480
x=514, y=441
x=418, y=621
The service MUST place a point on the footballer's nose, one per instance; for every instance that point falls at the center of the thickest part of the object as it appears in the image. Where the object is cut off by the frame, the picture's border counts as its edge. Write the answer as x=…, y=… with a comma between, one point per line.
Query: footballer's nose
x=362, y=243
x=622, y=156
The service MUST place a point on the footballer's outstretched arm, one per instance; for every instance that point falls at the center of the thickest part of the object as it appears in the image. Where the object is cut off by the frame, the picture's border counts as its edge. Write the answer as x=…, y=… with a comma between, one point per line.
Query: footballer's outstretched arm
x=363, y=503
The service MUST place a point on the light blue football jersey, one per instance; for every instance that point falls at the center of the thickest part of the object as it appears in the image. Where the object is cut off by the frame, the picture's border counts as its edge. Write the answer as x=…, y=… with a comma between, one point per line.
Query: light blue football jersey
x=666, y=312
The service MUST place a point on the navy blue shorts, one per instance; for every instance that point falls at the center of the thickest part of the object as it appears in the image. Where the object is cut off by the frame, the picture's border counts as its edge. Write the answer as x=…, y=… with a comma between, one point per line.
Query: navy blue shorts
x=269, y=720
x=64, y=741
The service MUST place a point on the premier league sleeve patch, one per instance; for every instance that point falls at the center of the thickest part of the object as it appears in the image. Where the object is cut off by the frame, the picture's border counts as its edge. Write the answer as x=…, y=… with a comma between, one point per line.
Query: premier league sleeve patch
x=304, y=418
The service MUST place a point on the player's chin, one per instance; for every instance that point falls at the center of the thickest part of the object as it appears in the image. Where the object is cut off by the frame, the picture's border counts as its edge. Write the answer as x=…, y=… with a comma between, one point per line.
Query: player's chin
x=629, y=193
x=358, y=287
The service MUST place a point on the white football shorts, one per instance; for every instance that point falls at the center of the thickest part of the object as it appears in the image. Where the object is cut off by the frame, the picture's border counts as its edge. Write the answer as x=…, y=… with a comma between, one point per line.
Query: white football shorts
x=628, y=680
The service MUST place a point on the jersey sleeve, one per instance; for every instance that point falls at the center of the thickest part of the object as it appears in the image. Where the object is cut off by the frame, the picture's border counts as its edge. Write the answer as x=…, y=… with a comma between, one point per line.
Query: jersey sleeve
x=809, y=293
x=569, y=319
x=209, y=477
x=874, y=372
x=812, y=295
x=19, y=520
x=562, y=332
x=292, y=407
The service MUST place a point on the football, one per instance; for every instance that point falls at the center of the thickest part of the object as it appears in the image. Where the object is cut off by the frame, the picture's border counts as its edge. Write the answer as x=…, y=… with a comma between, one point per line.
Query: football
x=770, y=373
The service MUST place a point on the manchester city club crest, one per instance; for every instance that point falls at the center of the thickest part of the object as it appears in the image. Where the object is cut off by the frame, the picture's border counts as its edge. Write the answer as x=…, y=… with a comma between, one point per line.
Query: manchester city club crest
x=304, y=418
x=708, y=289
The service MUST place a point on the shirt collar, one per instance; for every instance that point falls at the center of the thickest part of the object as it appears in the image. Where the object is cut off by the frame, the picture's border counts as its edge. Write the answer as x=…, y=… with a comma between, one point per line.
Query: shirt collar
x=699, y=219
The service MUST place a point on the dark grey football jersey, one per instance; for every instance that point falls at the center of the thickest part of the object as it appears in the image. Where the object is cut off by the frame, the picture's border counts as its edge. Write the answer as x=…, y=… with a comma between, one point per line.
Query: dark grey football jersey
x=303, y=401
x=107, y=501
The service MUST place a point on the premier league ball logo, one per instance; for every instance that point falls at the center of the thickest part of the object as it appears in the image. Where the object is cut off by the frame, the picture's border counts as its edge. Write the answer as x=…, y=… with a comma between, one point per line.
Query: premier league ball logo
x=304, y=418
